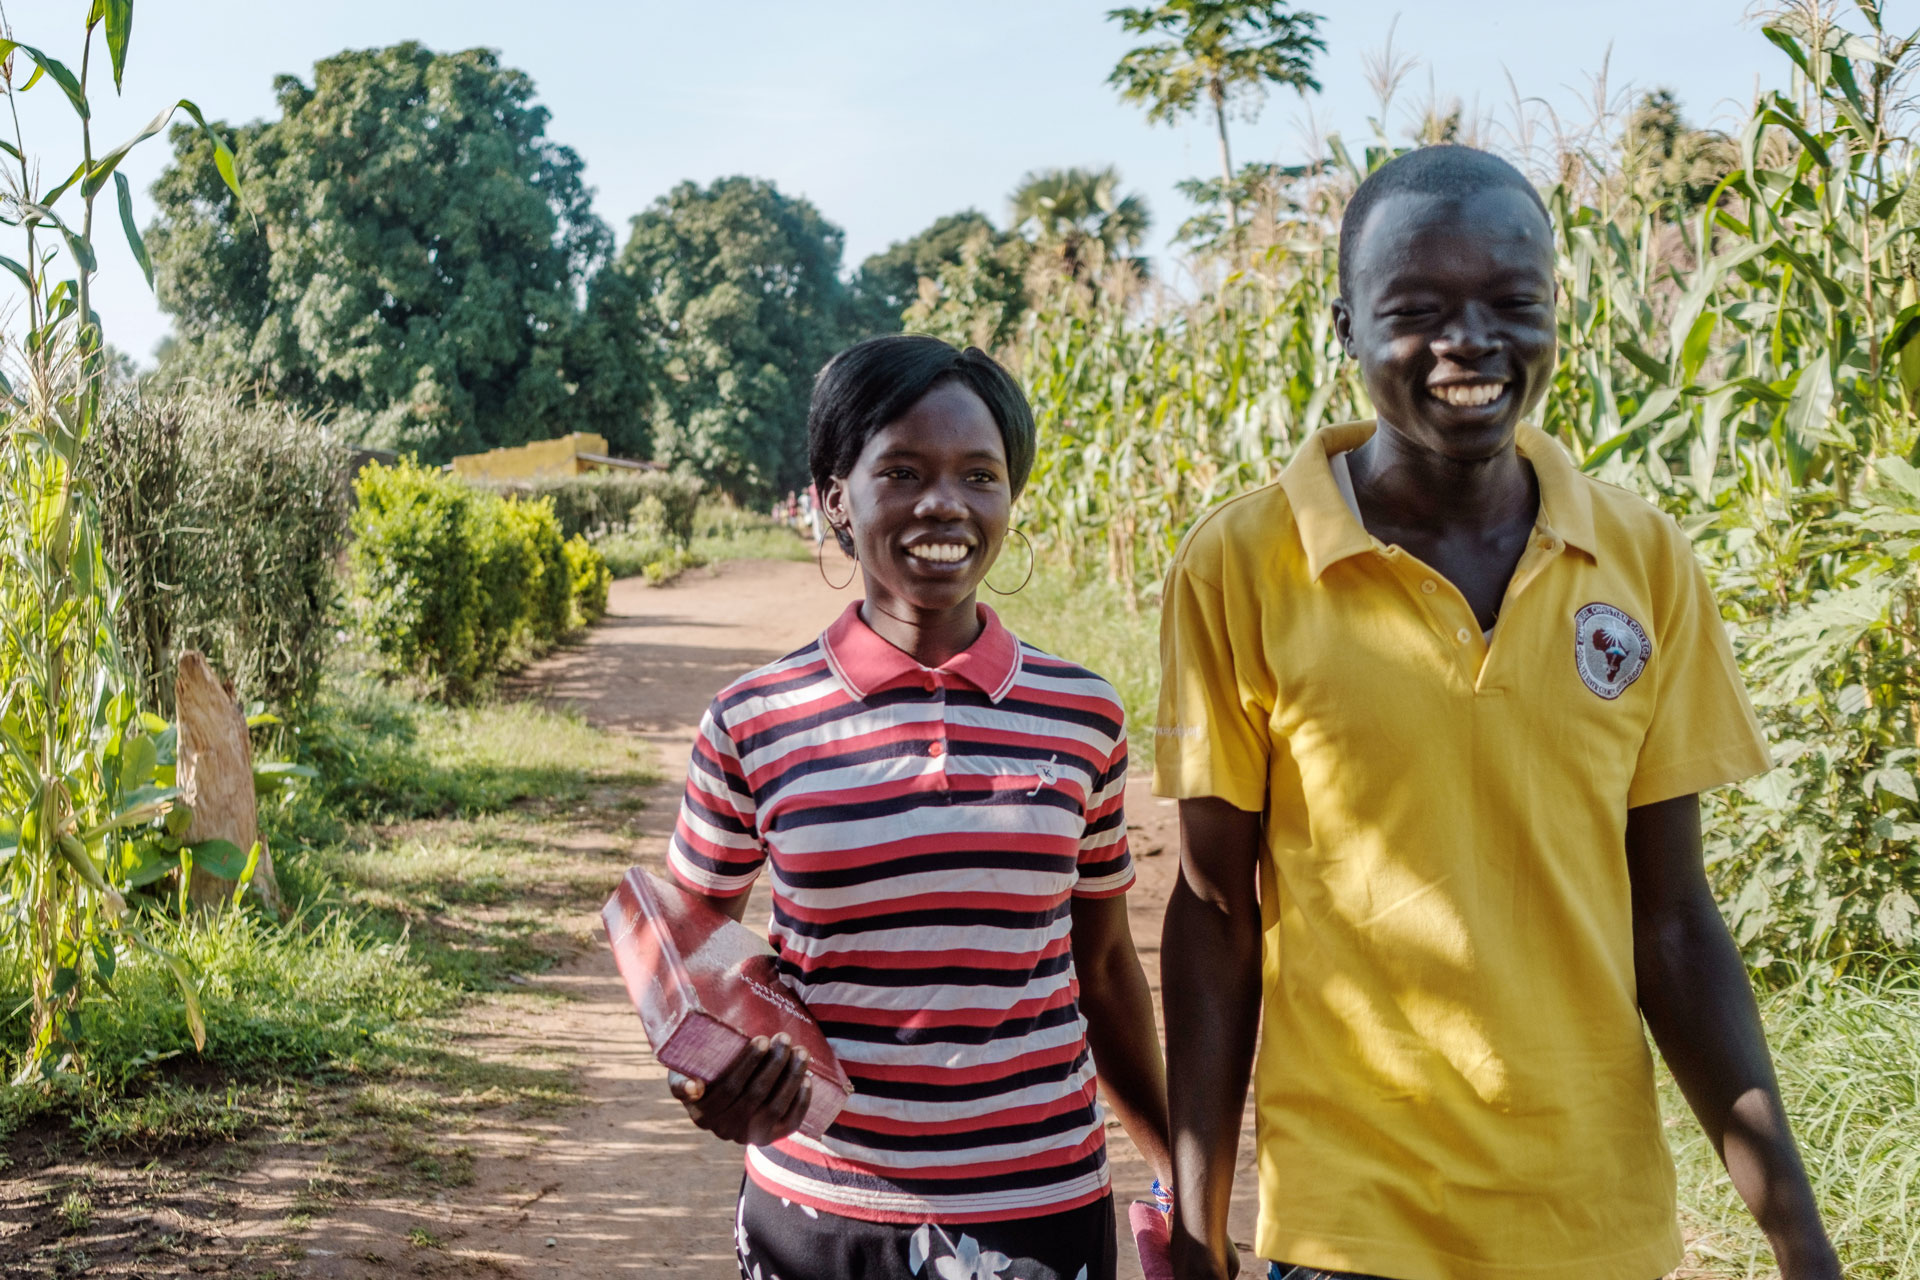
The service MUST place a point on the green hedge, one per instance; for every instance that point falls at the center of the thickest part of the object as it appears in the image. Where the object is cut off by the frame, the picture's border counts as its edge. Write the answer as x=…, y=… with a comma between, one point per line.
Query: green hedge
x=454, y=583
x=589, y=577
x=603, y=502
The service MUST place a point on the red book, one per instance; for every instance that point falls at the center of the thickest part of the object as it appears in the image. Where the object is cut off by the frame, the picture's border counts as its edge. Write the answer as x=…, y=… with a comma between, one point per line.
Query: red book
x=705, y=985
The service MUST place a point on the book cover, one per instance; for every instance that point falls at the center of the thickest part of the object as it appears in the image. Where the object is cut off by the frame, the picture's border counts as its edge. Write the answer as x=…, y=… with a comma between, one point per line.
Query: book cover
x=705, y=985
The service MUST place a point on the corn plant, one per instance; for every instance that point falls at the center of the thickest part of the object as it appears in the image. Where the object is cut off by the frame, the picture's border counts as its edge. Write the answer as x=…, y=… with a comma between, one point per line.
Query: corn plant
x=80, y=769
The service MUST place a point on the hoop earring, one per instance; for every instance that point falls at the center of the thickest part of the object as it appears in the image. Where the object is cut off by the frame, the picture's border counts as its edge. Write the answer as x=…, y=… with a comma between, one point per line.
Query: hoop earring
x=1024, y=581
x=820, y=563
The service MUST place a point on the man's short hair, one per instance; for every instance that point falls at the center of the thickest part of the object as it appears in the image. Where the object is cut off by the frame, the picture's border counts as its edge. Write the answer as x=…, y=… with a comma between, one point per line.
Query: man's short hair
x=1448, y=170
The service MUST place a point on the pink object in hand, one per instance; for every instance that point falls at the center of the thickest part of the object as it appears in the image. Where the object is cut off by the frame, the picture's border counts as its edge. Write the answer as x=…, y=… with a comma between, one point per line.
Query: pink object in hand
x=1153, y=1236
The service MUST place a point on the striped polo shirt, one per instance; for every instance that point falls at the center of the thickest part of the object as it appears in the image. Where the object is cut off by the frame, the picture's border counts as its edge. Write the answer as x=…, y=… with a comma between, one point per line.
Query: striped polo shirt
x=926, y=830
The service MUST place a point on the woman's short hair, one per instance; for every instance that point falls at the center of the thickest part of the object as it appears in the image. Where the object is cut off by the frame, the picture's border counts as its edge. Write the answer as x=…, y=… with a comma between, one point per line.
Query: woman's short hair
x=874, y=383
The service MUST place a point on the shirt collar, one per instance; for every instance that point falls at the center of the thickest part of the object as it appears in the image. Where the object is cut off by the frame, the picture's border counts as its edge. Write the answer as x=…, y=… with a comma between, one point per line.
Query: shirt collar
x=866, y=664
x=1329, y=532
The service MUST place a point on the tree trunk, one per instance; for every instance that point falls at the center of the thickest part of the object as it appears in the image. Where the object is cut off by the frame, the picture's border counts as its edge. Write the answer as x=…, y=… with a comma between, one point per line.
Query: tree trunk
x=1218, y=93
x=216, y=779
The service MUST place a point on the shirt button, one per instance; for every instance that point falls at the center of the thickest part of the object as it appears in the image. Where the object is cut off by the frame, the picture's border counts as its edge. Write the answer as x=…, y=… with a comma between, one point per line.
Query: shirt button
x=1429, y=587
x=936, y=749
x=930, y=682
x=1463, y=635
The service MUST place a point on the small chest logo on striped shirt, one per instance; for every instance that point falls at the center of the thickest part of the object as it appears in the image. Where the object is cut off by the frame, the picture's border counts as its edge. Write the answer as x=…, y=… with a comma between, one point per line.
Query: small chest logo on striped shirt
x=1048, y=771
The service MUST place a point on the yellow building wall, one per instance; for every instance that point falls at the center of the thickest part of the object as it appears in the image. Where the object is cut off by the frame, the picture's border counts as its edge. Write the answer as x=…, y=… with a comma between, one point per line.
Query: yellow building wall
x=541, y=460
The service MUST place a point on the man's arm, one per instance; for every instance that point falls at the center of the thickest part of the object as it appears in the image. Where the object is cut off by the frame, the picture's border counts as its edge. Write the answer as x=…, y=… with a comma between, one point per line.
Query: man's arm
x=1120, y=1031
x=1210, y=985
x=1700, y=1008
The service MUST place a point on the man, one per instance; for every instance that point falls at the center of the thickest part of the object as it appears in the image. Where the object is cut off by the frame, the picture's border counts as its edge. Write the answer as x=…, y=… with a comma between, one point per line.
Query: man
x=1437, y=708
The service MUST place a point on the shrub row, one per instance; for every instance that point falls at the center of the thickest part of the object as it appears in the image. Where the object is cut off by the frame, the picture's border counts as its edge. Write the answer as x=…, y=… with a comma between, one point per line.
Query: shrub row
x=224, y=522
x=604, y=502
x=454, y=583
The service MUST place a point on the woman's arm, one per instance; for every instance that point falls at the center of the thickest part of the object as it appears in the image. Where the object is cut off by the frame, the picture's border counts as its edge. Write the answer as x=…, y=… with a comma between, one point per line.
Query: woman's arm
x=764, y=1095
x=1699, y=1006
x=1120, y=1029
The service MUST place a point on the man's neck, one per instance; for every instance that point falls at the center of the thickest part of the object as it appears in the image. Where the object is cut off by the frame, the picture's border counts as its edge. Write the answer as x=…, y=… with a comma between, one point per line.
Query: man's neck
x=1403, y=486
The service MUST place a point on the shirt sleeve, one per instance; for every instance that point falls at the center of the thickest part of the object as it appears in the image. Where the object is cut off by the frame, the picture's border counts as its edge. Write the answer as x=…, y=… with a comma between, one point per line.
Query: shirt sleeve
x=716, y=848
x=1703, y=733
x=1212, y=737
x=1106, y=864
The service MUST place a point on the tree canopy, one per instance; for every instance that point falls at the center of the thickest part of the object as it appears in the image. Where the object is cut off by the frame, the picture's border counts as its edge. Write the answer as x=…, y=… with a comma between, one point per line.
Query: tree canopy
x=408, y=259
x=731, y=296
x=1222, y=52
x=888, y=282
x=1082, y=216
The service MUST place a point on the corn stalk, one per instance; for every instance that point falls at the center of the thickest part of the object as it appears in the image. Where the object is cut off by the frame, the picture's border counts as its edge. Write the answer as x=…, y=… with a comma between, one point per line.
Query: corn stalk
x=80, y=769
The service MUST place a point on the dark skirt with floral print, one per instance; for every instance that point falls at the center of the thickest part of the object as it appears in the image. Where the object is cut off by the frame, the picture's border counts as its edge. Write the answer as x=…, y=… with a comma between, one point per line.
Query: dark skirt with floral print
x=779, y=1240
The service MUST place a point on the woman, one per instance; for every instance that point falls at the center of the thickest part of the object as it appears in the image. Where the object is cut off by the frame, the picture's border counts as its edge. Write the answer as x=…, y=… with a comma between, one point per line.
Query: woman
x=940, y=809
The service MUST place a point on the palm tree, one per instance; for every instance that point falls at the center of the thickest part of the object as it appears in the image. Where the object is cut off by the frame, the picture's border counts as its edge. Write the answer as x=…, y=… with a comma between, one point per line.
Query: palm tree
x=1225, y=51
x=1081, y=215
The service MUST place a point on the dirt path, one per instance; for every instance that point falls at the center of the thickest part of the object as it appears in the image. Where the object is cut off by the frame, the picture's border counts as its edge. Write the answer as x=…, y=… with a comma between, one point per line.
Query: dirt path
x=621, y=1185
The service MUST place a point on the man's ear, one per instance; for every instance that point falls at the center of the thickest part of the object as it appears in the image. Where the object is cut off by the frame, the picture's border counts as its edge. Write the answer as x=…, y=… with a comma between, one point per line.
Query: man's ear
x=1343, y=324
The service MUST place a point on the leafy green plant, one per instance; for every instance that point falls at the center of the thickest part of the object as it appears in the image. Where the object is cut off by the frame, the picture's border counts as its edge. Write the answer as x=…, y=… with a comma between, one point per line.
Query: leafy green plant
x=416, y=573
x=77, y=767
x=589, y=580
x=223, y=522
x=455, y=583
x=593, y=504
x=666, y=508
x=549, y=612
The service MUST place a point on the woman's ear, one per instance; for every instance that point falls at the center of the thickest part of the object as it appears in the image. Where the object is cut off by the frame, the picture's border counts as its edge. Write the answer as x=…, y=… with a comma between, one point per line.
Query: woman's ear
x=833, y=500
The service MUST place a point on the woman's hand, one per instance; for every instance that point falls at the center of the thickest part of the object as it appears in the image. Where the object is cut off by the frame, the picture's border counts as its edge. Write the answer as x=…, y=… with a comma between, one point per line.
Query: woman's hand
x=761, y=1098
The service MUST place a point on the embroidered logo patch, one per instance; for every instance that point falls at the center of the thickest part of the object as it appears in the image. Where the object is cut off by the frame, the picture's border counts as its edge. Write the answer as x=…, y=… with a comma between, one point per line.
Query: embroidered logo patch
x=1610, y=649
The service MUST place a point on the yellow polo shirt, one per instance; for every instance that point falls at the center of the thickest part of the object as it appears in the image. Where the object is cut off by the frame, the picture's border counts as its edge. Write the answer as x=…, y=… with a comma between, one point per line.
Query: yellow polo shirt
x=1452, y=1080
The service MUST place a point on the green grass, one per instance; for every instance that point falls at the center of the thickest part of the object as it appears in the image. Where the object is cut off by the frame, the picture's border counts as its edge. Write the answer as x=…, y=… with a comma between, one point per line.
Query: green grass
x=1090, y=623
x=1849, y=1061
x=436, y=856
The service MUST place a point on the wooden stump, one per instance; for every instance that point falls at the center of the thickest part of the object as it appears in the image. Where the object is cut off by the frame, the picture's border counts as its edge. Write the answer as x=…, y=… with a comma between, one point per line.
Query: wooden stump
x=216, y=779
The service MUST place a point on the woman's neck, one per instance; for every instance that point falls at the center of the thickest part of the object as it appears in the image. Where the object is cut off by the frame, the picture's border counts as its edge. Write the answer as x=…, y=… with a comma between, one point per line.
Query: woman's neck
x=932, y=637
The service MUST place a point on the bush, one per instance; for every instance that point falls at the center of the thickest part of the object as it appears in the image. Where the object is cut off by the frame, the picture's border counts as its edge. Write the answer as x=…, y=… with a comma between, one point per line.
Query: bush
x=589, y=578
x=504, y=569
x=549, y=611
x=455, y=583
x=667, y=508
x=416, y=572
x=592, y=505
x=224, y=523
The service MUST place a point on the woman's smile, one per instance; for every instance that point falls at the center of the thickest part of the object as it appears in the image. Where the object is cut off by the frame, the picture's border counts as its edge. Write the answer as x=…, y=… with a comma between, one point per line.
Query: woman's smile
x=943, y=556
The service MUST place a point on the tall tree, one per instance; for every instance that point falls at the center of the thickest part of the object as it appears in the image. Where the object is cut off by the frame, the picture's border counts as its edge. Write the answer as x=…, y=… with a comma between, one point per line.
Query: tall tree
x=888, y=282
x=1081, y=216
x=1223, y=52
x=731, y=295
x=408, y=259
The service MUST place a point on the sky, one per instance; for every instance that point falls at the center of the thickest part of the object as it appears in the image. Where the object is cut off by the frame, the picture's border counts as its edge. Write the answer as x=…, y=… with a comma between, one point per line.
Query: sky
x=885, y=114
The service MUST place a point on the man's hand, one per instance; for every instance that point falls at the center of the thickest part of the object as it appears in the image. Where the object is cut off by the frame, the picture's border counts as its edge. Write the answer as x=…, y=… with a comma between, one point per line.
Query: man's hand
x=1700, y=1008
x=761, y=1098
x=1210, y=985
